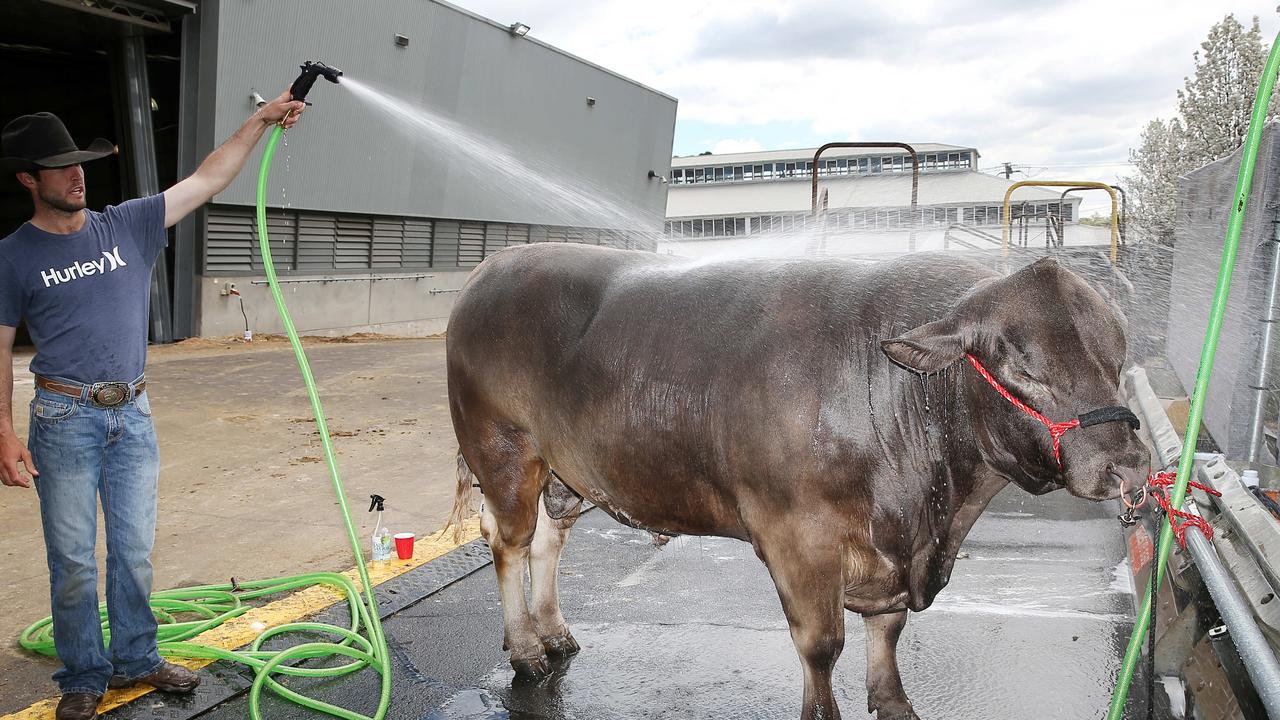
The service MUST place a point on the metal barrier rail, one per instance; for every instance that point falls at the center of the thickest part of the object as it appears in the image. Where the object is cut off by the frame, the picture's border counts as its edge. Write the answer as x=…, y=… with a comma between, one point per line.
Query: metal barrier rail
x=1236, y=611
x=961, y=227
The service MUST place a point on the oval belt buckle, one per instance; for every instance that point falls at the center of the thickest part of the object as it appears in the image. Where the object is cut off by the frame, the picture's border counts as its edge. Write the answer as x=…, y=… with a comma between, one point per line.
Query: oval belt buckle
x=111, y=394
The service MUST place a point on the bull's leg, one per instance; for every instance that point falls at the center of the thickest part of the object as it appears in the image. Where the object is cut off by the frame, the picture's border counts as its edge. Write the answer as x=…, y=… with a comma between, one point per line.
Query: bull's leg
x=810, y=586
x=511, y=477
x=885, y=695
x=544, y=567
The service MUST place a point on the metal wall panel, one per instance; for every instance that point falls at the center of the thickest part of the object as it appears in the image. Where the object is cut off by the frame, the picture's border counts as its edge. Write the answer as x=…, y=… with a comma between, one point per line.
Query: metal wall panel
x=1204, y=201
x=344, y=157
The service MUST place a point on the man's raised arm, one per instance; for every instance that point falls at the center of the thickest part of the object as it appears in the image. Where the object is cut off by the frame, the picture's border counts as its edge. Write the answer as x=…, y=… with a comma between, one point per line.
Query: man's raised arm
x=221, y=167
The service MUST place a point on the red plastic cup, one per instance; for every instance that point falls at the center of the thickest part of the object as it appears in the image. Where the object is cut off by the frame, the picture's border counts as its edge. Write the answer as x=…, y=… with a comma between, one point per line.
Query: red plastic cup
x=404, y=546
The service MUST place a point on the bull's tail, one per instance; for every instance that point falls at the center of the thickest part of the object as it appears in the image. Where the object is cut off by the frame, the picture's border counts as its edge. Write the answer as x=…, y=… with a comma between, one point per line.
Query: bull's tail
x=462, y=498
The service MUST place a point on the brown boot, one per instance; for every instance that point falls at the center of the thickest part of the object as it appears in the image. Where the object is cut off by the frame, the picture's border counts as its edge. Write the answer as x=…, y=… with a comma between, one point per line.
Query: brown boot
x=168, y=677
x=77, y=706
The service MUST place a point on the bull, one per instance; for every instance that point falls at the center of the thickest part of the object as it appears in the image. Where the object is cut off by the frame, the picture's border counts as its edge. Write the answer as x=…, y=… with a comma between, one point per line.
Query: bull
x=822, y=411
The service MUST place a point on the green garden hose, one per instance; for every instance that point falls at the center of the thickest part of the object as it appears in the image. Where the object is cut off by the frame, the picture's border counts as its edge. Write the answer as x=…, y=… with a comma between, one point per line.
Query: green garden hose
x=1244, y=181
x=215, y=604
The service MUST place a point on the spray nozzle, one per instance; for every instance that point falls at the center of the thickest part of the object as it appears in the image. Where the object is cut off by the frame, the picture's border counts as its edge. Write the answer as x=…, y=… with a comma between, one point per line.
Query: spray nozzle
x=375, y=503
x=310, y=71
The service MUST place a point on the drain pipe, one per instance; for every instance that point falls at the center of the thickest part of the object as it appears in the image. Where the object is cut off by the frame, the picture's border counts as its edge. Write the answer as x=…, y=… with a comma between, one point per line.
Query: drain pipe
x=1258, y=658
x=1261, y=385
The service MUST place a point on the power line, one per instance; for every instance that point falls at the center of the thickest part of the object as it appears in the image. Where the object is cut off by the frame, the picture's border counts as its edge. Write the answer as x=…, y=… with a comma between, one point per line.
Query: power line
x=1050, y=166
x=1055, y=165
x=1085, y=164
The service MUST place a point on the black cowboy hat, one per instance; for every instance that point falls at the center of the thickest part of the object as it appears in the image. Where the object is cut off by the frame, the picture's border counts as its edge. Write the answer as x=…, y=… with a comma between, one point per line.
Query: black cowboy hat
x=32, y=142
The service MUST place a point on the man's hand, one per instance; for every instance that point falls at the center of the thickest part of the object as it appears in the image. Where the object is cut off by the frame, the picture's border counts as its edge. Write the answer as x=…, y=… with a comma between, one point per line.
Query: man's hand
x=12, y=451
x=221, y=167
x=284, y=110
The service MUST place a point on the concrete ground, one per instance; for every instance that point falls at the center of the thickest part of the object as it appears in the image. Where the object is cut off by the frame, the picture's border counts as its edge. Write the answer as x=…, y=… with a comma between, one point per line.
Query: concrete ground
x=244, y=489
x=1032, y=625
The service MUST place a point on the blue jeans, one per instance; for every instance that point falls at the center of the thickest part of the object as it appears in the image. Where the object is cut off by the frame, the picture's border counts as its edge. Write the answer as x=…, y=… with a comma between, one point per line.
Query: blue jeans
x=84, y=452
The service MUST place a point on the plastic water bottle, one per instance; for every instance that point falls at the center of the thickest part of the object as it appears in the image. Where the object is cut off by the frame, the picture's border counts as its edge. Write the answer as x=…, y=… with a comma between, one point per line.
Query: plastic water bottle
x=381, y=549
x=1249, y=478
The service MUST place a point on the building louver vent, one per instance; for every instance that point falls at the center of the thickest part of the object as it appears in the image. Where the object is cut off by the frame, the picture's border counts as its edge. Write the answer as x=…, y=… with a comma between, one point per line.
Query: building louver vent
x=310, y=243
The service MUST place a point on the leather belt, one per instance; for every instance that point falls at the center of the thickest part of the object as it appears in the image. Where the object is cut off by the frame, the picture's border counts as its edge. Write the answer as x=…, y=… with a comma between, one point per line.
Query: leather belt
x=103, y=394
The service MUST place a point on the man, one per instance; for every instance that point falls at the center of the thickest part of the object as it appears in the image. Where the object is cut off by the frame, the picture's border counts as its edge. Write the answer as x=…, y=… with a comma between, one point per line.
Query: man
x=80, y=280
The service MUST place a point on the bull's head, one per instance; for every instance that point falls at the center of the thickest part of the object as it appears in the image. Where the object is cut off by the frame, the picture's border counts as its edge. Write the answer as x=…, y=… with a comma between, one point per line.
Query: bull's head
x=1055, y=345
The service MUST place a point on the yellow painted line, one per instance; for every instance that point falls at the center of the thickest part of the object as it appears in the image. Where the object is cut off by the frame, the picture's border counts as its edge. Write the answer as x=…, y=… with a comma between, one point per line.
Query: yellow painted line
x=242, y=630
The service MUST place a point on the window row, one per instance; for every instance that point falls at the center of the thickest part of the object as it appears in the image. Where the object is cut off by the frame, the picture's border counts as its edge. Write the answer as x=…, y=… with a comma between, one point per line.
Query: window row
x=735, y=226
x=826, y=168
x=865, y=219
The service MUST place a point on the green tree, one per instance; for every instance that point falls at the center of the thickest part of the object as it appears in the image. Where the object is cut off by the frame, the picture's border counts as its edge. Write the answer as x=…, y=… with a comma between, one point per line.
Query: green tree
x=1213, y=117
x=1160, y=161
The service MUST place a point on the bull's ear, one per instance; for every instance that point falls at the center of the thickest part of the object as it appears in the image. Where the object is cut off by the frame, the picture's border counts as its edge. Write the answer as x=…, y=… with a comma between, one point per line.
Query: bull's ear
x=926, y=349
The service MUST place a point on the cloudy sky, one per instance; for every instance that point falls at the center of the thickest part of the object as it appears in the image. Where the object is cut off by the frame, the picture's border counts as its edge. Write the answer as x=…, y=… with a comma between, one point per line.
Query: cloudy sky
x=1061, y=89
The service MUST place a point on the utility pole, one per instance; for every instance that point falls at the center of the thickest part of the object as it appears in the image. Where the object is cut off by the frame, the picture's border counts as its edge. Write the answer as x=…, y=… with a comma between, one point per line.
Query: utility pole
x=1008, y=171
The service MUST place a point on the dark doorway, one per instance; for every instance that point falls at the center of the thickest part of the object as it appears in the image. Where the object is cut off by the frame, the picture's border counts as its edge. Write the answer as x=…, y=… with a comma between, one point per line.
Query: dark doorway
x=59, y=59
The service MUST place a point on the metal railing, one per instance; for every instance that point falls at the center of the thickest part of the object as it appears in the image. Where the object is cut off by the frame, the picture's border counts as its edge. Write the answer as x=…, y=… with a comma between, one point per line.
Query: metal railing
x=1115, y=226
x=915, y=175
x=1255, y=652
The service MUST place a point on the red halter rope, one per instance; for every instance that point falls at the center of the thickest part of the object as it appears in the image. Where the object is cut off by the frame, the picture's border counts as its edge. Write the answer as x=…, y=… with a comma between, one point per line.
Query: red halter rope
x=1109, y=414
x=1057, y=429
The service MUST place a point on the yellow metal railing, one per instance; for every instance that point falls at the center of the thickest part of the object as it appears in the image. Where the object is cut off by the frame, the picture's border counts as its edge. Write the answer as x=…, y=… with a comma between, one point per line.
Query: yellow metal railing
x=1115, y=226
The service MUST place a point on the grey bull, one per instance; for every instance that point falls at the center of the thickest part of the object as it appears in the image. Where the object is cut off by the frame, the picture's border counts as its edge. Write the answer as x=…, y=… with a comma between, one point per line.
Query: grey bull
x=821, y=410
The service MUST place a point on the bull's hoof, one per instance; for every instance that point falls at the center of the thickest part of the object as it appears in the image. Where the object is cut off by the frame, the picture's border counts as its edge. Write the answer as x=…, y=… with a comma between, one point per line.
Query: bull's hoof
x=907, y=714
x=561, y=645
x=892, y=710
x=530, y=669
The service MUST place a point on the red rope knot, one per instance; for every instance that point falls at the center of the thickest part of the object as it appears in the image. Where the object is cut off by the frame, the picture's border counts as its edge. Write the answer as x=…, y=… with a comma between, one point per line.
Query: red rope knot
x=1056, y=430
x=1167, y=479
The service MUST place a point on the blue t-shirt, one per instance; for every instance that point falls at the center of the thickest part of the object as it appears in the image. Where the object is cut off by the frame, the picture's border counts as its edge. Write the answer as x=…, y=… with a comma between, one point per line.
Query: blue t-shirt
x=86, y=296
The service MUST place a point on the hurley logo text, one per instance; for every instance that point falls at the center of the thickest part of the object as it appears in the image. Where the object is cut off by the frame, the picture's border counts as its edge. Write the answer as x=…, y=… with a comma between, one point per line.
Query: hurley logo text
x=83, y=269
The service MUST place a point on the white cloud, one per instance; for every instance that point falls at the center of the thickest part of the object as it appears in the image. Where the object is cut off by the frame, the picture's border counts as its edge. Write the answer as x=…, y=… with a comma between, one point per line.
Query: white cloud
x=1061, y=88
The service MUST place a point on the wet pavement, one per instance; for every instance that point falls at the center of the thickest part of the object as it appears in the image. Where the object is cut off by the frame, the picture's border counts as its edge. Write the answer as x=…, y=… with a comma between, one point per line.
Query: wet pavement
x=1033, y=625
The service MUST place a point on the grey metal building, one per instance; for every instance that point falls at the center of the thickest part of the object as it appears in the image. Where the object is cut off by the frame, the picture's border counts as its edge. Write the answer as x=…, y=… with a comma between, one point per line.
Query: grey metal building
x=373, y=223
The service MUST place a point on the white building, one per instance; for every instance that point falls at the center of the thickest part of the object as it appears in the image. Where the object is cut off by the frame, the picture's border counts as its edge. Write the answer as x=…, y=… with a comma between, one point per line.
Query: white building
x=865, y=191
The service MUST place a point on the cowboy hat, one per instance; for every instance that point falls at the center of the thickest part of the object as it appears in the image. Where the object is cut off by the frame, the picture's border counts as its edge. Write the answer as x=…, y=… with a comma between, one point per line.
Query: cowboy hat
x=32, y=142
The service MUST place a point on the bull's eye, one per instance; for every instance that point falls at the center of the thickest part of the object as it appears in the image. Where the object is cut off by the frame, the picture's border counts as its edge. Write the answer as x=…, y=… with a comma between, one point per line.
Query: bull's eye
x=1028, y=376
